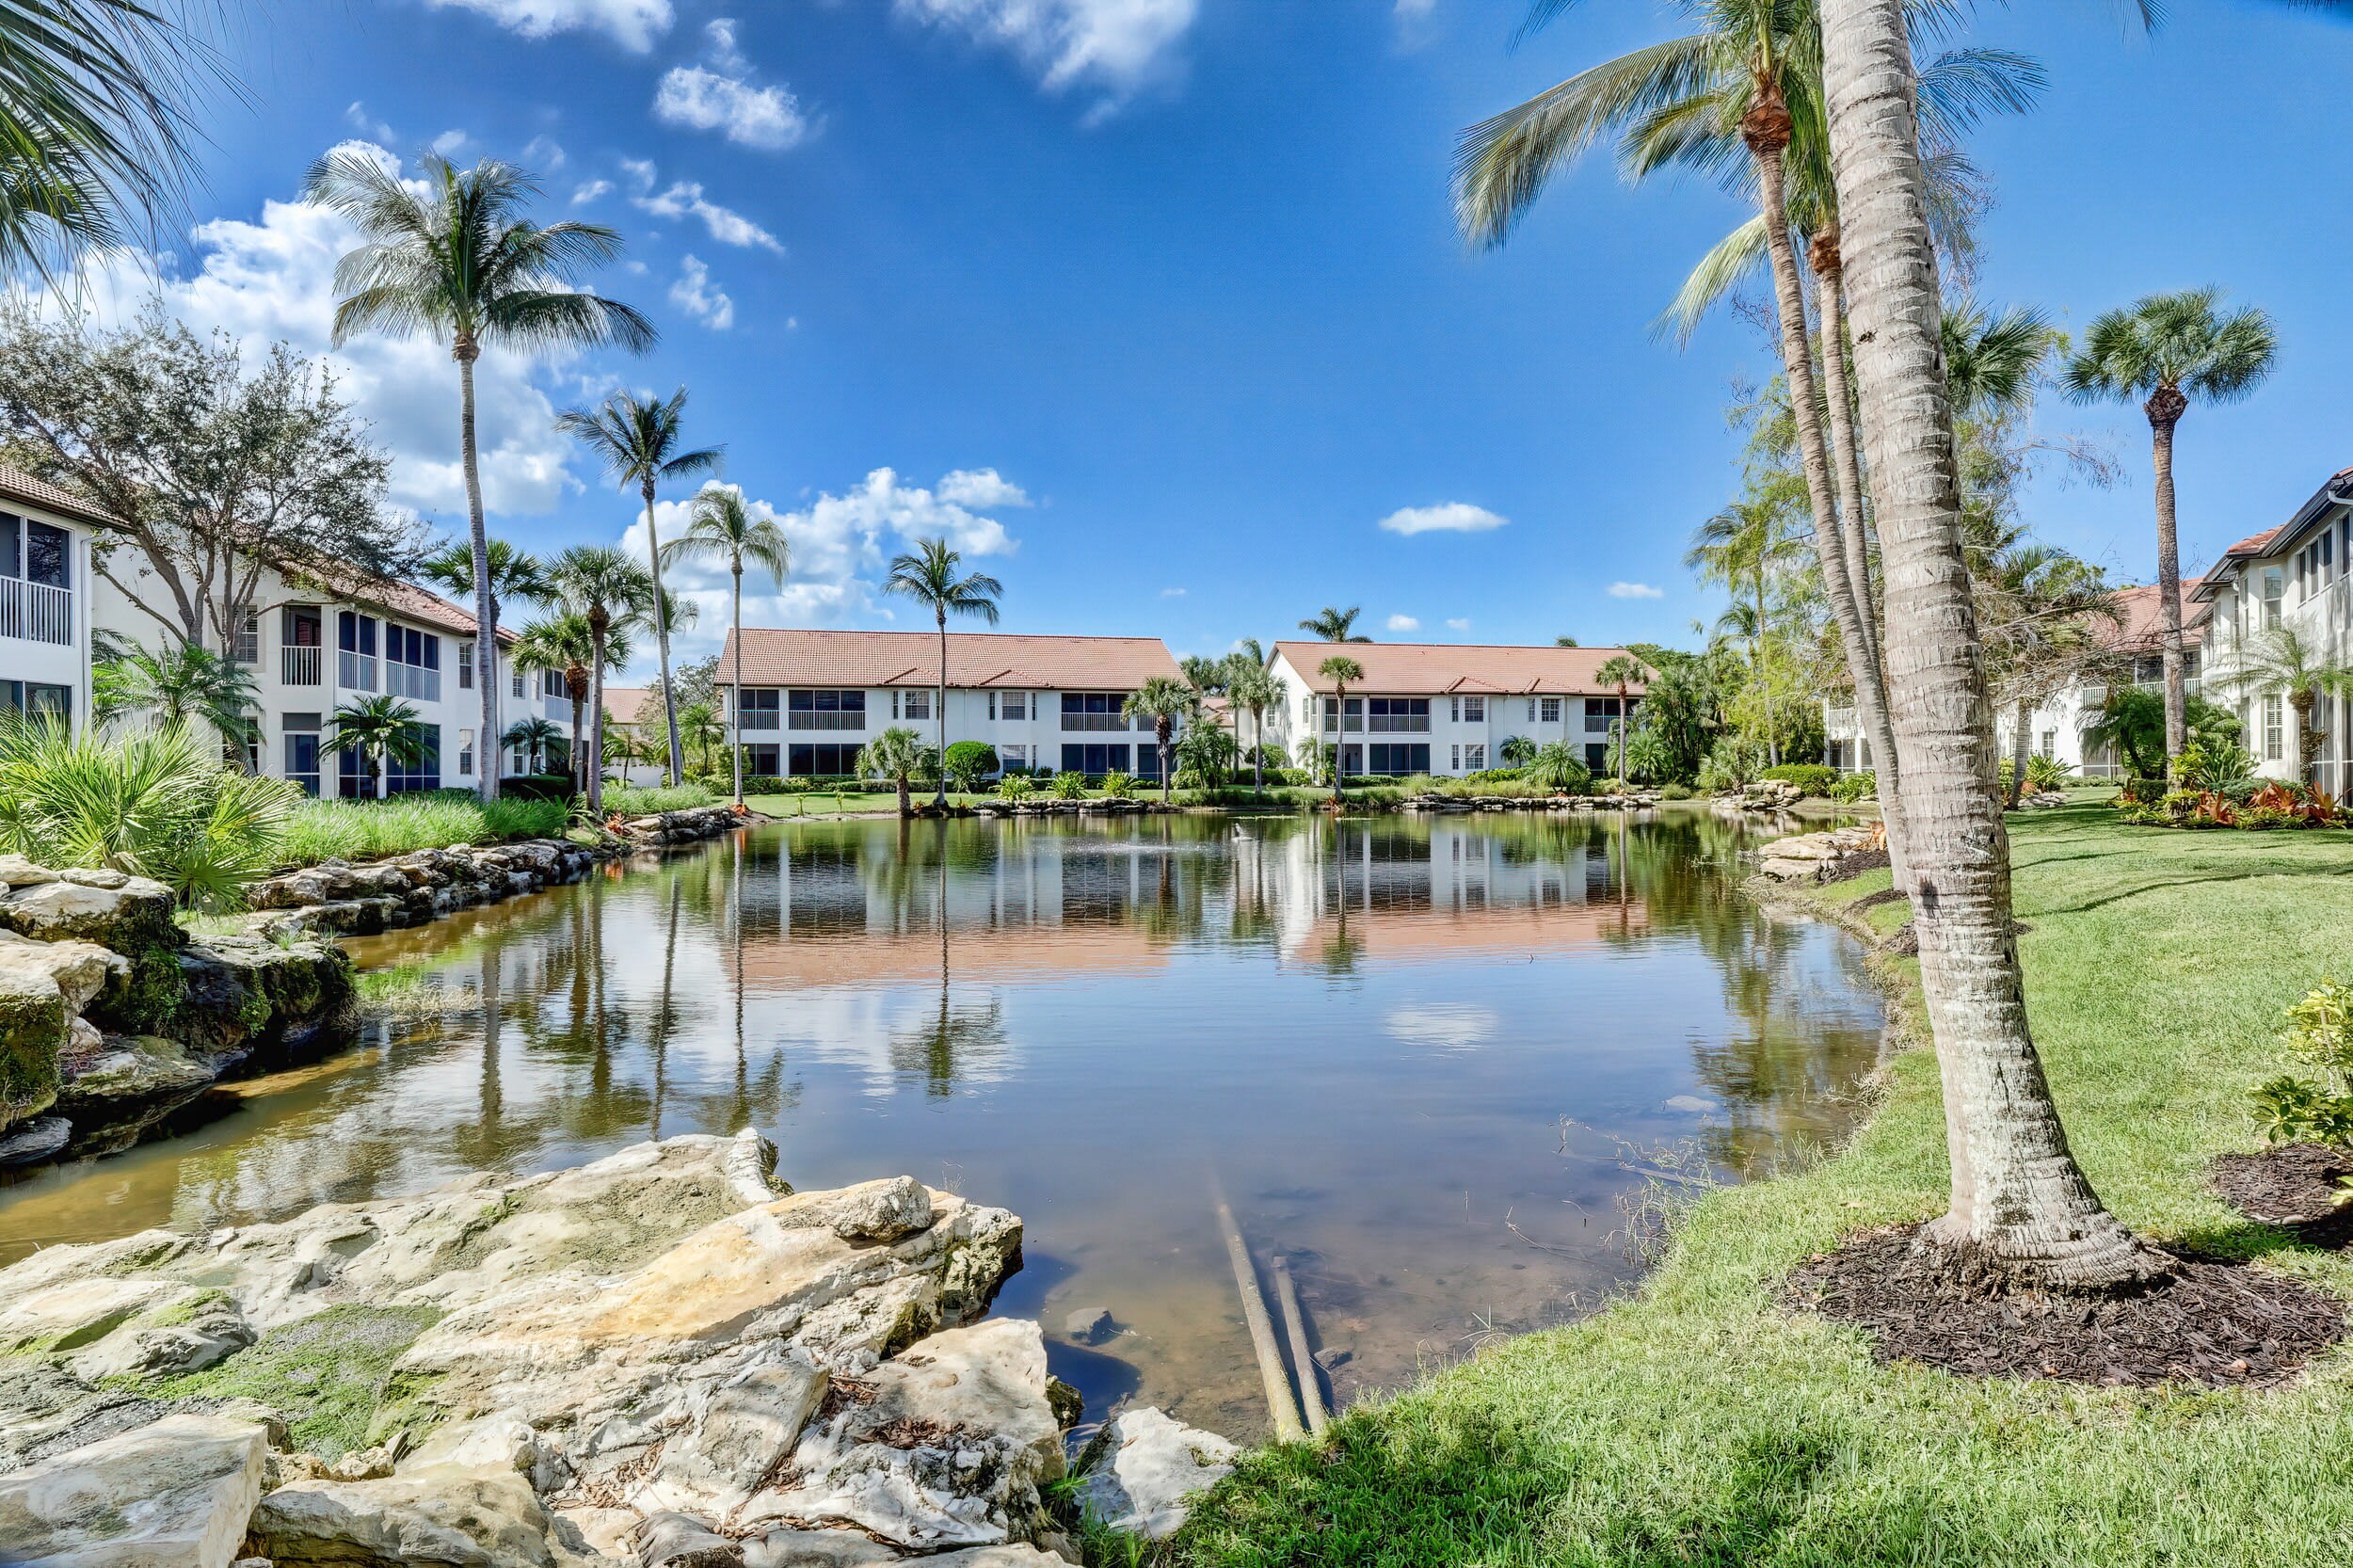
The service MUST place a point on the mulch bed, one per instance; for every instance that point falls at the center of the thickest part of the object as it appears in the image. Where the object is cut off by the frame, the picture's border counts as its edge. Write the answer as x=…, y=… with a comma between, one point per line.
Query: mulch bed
x=2298, y=1187
x=1855, y=864
x=2213, y=1323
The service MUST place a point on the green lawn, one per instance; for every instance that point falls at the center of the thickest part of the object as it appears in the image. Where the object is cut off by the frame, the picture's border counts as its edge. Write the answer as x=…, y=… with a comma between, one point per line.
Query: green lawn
x=825, y=802
x=1698, y=1423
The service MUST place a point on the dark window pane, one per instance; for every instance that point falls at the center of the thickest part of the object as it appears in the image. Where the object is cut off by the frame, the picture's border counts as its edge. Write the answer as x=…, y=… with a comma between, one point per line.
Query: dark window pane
x=46, y=554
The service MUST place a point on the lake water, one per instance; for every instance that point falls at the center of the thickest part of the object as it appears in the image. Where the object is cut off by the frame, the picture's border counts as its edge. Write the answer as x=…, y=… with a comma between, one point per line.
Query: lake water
x=1413, y=1053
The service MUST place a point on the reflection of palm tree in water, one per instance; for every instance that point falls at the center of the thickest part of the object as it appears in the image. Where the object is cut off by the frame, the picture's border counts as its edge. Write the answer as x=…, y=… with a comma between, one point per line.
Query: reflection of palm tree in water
x=954, y=1036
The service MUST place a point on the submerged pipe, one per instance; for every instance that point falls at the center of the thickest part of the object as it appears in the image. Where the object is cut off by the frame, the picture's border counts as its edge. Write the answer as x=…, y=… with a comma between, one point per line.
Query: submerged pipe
x=1278, y=1388
x=1295, y=1326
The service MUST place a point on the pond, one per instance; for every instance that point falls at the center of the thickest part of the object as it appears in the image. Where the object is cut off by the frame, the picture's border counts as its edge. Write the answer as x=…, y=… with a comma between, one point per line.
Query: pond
x=1422, y=1057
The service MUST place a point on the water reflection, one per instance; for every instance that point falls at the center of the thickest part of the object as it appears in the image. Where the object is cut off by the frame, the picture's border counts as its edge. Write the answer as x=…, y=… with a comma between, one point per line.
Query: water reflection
x=1370, y=1032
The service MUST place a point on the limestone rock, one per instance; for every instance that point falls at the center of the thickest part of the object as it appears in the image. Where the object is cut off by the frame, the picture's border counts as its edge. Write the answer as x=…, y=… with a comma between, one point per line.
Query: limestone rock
x=172, y=1495
x=187, y=1331
x=133, y=1068
x=870, y=1211
x=18, y=872
x=243, y=994
x=30, y=1141
x=81, y=970
x=681, y=1541
x=33, y=1017
x=1143, y=1466
x=52, y=911
x=71, y=1314
x=742, y=1435
x=798, y=1548
x=446, y=1514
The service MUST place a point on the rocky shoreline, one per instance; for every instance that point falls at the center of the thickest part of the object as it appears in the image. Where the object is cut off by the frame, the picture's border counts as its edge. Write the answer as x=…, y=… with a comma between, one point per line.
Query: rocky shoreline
x=666, y=1358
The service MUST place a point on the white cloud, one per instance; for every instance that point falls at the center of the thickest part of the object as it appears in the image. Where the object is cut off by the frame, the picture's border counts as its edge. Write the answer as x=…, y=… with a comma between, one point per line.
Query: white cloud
x=1414, y=11
x=631, y=23
x=1402, y=623
x=262, y=281
x=842, y=548
x=591, y=190
x=1172, y=593
x=981, y=488
x=685, y=198
x=1112, y=47
x=1443, y=1025
x=1458, y=623
x=448, y=142
x=1449, y=517
x=726, y=52
x=544, y=155
x=1635, y=590
x=1413, y=23
x=358, y=118
x=768, y=118
x=693, y=295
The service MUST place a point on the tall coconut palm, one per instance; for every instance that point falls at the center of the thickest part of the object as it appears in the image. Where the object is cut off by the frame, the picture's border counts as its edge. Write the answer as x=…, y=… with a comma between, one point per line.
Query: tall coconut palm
x=934, y=577
x=2165, y=351
x=461, y=264
x=567, y=645
x=721, y=527
x=614, y=593
x=1342, y=672
x=2021, y=1210
x=1748, y=544
x=2281, y=662
x=378, y=730
x=1334, y=626
x=515, y=575
x=637, y=440
x=898, y=754
x=188, y=685
x=1164, y=700
x=2047, y=620
x=537, y=738
x=1249, y=687
x=1625, y=672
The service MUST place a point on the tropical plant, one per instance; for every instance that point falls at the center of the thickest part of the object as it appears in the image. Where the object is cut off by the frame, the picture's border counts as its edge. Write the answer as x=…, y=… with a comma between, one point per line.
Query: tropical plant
x=1206, y=751
x=898, y=755
x=154, y=803
x=461, y=263
x=1556, y=766
x=637, y=440
x=1625, y=672
x=2045, y=620
x=188, y=685
x=1516, y=751
x=2281, y=662
x=2046, y=773
x=616, y=596
x=1734, y=760
x=1340, y=670
x=1069, y=784
x=1017, y=787
x=2164, y=350
x=1165, y=702
x=1251, y=688
x=566, y=645
x=381, y=729
x=1117, y=785
x=515, y=575
x=933, y=576
x=701, y=731
x=2215, y=765
x=1644, y=753
x=1334, y=626
x=1748, y=545
x=2320, y=1033
x=721, y=527
x=968, y=763
x=537, y=738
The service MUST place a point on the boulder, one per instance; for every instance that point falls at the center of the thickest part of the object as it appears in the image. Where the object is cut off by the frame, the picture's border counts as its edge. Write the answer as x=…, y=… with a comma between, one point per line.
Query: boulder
x=187, y=1331
x=246, y=994
x=1144, y=1464
x=443, y=1514
x=133, y=921
x=681, y=1541
x=80, y=970
x=33, y=1017
x=30, y=1141
x=18, y=872
x=128, y=1069
x=738, y=1438
x=175, y=1494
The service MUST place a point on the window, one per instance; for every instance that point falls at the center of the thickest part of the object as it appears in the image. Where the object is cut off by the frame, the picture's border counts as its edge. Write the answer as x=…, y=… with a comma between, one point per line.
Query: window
x=2273, y=734
x=1475, y=757
x=762, y=762
x=1094, y=760
x=465, y=749
x=36, y=700
x=245, y=647
x=1552, y=709
x=916, y=705
x=823, y=762
x=47, y=551
x=1014, y=757
x=355, y=644
x=1397, y=713
x=425, y=772
x=1013, y=705
x=2275, y=589
x=302, y=750
x=1456, y=765
x=516, y=680
x=2050, y=742
x=1601, y=713
x=1474, y=709
x=1531, y=710
x=1348, y=715
x=826, y=710
x=758, y=709
x=465, y=673
x=413, y=663
x=1596, y=757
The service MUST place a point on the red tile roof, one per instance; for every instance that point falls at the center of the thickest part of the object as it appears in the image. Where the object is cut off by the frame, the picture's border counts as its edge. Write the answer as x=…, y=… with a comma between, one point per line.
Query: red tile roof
x=1013, y=661
x=396, y=597
x=622, y=702
x=2137, y=628
x=1412, y=667
x=25, y=490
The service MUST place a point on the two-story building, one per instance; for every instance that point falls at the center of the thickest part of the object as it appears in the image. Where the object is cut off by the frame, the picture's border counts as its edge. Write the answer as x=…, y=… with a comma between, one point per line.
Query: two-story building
x=811, y=699
x=45, y=598
x=1445, y=708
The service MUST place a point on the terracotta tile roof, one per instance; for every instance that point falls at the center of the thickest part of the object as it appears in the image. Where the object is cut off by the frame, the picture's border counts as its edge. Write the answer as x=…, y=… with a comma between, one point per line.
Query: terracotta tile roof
x=396, y=597
x=2137, y=628
x=1013, y=661
x=1420, y=668
x=23, y=488
x=622, y=702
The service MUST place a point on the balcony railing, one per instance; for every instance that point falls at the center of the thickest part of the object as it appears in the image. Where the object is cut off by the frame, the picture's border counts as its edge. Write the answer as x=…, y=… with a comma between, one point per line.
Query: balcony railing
x=299, y=666
x=1838, y=720
x=36, y=612
x=809, y=720
x=1400, y=724
x=411, y=680
x=1096, y=721
x=759, y=718
x=355, y=672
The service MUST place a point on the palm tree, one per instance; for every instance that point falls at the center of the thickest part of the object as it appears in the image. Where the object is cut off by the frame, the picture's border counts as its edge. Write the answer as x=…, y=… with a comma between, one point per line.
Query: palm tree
x=461, y=264
x=898, y=754
x=2043, y=615
x=721, y=526
x=930, y=577
x=2281, y=662
x=378, y=730
x=614, y=593
x=1516, y=751
x=2164, y=350
x=1162, y=699
x=1623, y=671
x=637, y=442
x=535, y=738
x=567, y=644
x=1249, y=687
x=2021, y=1210
x=189, y=684
x=701, y=727
x=1750, y=542
x=515, y=576
x=1340, y=670
x=1334, y=626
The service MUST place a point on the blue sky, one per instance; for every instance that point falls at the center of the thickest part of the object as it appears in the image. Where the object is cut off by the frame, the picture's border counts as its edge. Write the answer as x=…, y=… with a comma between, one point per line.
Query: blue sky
x=1156, y=305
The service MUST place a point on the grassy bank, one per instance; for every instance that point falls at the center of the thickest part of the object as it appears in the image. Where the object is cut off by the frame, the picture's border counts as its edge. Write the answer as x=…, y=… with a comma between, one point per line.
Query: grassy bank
x=371, y=829
x=1699, y=1423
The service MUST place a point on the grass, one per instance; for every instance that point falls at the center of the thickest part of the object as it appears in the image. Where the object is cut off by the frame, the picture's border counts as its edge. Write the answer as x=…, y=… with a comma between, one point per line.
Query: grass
x=1698, y=1423
x=326, y=1373
x=632, y=800
x=370, y=829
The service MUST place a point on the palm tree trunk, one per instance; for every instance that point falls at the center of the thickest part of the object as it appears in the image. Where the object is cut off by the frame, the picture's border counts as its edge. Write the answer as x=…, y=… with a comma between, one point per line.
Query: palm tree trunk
x=1830, y=269
x=596, y=723
x=1160, y=740
x=2020, y=752
x=939, y=715
x=2165, y=407
x=579, y=701
x=2023, y=1211
x=1339, y=706
x=486, y=638
x=2301, y=704
x=1257, y=751
x=661, y=639
x=735, y=564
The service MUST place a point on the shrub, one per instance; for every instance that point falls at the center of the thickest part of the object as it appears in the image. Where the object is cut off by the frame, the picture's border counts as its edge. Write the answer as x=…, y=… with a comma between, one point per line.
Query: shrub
x=1119, y=786
x=1015, y=785
x=2320, y=1033
x=632, y=801
x=1069, y=786
x=535, y=786
x=2215, y=764
x=1733, y=762
x=1857, y=787
x=371, y=829
x=2048, y=773
x=1556, y=766
x=1672, y=791
x=1815, y=779
x=968, y=763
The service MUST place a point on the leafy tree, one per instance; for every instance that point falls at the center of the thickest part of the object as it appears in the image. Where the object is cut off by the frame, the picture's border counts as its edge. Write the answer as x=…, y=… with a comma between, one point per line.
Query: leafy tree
x=1516, y=751
x=899, y=755
x=613, y=595
x=1334, y=626
x=2281, y=662
x=721, y=527
x=1340, y=670
x=2166, y=350
x=967, y=762
x=638, y=440
x=215, y=470
x=1675, y=711
x=933, y=576
x=1207, y=751
x=462, y=264
x=537, y=738
x=1625, y=672
x=2130, y=721
x=1565, y=641
x=183, y=685
x=1165, y=701
x=378, y=729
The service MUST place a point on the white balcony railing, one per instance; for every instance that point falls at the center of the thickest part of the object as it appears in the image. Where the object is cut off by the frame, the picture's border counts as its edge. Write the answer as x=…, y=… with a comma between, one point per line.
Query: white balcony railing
x=412, y=680
x=355, y=672
x=806, y=720
x=299, y=666
x=759, y=718
x=36, y=612
x=1095, y=721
